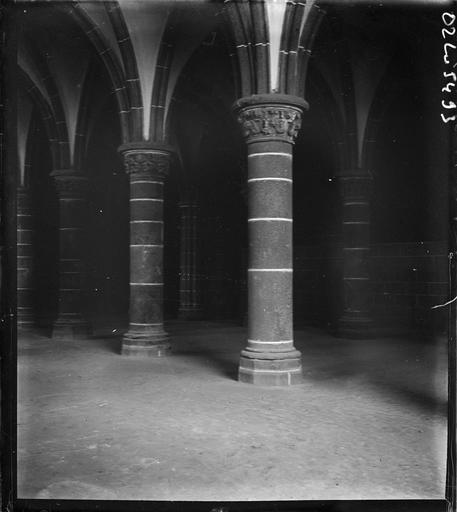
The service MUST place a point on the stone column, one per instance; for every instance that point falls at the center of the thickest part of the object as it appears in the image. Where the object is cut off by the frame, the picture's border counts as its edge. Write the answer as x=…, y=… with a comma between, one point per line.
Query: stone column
x=25, y=313
x=189, y=280
x=270, y=124
x=147, y=168
x=71, y=189
x=355, y=321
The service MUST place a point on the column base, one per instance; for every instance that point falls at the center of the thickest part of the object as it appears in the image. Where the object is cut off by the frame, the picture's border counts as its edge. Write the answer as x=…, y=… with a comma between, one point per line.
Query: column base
x=270, y=368
x=25, y=319
x=25, y=325
x=25, y=315
x=354, y=327
x=146, y=344
x=190, y=314
x=69, y=329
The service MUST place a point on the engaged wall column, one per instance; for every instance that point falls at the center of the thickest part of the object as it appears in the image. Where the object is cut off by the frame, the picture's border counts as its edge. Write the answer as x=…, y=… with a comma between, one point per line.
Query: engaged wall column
x=25, y=314
x=71, y=189
x=147, y=169
x=356, y=321
x=189, y=281
x=270, y=357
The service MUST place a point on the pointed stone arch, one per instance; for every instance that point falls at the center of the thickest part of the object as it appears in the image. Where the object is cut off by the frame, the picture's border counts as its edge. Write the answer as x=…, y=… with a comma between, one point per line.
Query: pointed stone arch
x=111, y=63
x=46, y=113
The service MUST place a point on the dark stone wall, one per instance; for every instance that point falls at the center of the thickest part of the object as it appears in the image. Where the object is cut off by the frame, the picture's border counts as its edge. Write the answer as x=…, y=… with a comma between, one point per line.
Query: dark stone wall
x=107, y=254
x=45, y=223
x=407, y=279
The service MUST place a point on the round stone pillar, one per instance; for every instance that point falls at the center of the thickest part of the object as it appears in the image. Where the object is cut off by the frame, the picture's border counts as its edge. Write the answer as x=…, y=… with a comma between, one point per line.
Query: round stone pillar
x=355, y=321
x=270, y=124
x=189, y=280
x=147, y=168
x=25, y=285
x=71, y=188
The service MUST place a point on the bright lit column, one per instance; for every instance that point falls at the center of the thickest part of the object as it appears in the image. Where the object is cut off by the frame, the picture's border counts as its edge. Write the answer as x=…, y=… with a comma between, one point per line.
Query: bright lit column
x=270, y=124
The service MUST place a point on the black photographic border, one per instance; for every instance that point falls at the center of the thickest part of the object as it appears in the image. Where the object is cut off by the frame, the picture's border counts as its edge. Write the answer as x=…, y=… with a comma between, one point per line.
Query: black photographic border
x=8, y=351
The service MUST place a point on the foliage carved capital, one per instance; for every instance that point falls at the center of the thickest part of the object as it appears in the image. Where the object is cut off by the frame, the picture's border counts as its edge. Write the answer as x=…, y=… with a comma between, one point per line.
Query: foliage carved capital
x=270, y=122
x=147, y=163
x=356, y=187
x=70, y=184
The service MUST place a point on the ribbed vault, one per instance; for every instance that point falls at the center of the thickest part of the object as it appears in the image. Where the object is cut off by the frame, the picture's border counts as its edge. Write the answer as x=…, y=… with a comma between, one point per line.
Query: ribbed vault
x=144, y=47
x=272, y=41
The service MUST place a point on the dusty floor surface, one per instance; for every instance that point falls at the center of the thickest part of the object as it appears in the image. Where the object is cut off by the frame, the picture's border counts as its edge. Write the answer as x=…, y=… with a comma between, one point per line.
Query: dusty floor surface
x=369, y=421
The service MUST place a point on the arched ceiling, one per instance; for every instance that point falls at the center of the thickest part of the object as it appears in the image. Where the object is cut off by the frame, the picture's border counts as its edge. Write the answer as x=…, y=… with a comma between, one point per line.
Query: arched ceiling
x=55, y=55
x=24, y=118
x=272, y=42
x=145, y=22
x=153, y=28
x=27, y=64
x=149, y=41
x=352, y=53
x=189, y=36
x=276, y=12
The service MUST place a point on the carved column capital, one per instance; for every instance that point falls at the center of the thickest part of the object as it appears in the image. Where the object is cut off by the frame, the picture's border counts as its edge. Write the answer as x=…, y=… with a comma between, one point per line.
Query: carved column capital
x=142, y=160
x=23, y=198
x=70, y=183
x=146, y=163
x=356, y=186
x=270, y=122
x=189, y=197
x=270, y=117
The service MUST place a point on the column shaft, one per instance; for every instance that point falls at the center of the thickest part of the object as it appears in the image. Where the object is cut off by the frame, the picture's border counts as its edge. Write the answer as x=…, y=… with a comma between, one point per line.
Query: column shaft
x=270, y=247
x=71, y=190
x=355, y=321
x=25, y=284
x=146, y=335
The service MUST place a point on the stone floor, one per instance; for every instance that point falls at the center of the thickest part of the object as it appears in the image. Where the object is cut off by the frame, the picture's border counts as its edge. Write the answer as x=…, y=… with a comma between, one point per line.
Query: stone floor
x=369, y=421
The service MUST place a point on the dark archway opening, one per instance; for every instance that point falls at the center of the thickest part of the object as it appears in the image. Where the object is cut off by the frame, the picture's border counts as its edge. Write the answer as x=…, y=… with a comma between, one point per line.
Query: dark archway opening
x=45, y=225
x=107, y=263
x=211, y=164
